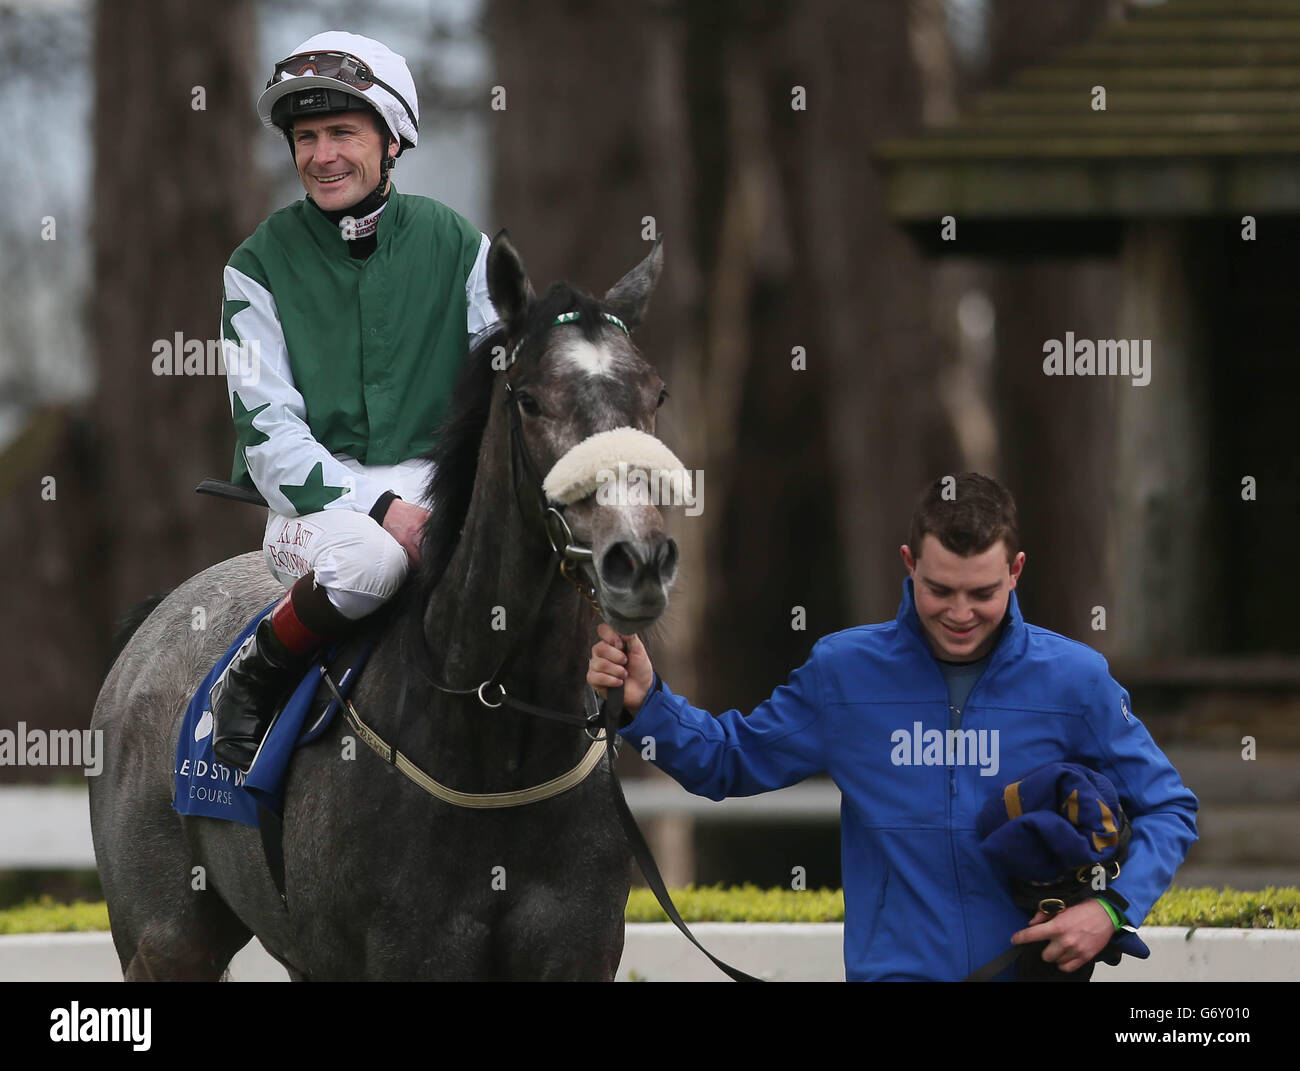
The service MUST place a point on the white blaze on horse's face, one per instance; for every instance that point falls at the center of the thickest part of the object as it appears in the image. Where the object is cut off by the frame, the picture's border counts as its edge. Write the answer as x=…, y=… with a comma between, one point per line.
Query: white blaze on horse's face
x=588, y=357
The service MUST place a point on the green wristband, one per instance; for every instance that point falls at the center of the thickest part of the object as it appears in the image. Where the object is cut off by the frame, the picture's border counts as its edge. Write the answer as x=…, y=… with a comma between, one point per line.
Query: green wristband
x=1114, y=915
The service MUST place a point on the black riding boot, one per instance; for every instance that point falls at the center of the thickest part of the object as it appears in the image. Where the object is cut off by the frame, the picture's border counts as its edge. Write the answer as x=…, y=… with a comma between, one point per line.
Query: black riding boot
x=245, y=696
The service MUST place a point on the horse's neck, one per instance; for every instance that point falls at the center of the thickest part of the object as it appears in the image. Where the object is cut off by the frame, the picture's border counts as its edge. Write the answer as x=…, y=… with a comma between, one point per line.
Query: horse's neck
x=479, y=611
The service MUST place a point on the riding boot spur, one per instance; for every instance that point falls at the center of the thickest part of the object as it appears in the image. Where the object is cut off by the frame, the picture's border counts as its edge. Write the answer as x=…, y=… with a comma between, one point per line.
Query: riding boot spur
x=267, y=668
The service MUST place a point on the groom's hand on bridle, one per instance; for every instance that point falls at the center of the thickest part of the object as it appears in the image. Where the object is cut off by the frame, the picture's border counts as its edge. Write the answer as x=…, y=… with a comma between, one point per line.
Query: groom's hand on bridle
x=621, y=660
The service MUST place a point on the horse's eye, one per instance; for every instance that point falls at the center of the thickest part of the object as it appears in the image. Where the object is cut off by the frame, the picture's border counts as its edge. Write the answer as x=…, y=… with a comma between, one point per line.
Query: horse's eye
x=528, y=403
x=663, y=397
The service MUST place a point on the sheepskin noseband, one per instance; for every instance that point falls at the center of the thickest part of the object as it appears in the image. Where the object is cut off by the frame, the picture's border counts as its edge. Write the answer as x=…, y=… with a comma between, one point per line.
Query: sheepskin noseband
x=596, y=459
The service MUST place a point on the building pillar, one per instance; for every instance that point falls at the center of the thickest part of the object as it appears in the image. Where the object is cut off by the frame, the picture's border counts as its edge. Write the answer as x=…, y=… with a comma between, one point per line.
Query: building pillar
x=1165, y=581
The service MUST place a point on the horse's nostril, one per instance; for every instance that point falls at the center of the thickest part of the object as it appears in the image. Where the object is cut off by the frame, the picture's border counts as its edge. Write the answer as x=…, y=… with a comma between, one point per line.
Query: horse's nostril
x=618, y=566
x=629, y=565
x=666, y=557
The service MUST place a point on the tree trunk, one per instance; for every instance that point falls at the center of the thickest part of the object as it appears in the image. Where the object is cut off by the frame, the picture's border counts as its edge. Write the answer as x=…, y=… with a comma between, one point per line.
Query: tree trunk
x=1056, y=434
x=99, y=509
x=165, y=224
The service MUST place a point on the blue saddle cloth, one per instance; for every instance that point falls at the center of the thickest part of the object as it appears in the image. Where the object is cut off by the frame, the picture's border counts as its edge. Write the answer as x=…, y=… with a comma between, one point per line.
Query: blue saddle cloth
x=207, y=787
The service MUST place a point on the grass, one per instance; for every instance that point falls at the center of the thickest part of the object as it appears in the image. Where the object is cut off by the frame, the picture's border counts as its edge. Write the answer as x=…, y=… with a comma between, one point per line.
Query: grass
x=1267, y=909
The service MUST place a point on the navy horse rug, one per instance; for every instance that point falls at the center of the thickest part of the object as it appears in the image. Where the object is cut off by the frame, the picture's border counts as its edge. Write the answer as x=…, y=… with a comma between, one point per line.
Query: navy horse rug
x=208, y=787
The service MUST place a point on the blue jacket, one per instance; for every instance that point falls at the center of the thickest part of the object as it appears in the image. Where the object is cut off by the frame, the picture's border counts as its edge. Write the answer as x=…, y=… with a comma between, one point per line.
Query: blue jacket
x=921, y=902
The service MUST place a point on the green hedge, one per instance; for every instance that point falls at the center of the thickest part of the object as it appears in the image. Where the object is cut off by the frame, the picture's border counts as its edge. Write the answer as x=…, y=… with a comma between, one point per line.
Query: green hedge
x=1268, y=909
x=744, y=903
x=47, y=916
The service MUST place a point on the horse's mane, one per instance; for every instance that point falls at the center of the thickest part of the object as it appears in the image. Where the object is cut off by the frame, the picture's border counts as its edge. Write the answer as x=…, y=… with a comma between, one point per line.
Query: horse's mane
x=460, y=436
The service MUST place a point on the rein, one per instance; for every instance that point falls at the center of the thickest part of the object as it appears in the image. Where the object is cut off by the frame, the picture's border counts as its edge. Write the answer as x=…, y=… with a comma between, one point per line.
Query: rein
x=600, y=725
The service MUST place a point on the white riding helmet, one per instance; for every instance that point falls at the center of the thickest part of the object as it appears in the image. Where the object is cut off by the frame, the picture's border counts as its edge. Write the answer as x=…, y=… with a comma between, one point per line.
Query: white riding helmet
x=343, y=66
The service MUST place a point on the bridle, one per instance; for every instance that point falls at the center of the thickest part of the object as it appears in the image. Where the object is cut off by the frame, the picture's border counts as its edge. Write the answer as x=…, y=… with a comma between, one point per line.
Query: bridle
x=566, y=553
x=599, y=723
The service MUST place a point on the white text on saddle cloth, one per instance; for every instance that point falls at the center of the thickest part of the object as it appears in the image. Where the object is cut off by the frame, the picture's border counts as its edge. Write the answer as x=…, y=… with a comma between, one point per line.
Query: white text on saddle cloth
x=624, y=466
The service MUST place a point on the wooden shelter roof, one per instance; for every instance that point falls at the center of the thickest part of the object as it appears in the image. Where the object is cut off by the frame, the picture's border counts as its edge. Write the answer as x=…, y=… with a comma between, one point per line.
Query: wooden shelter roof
x=1202, y=119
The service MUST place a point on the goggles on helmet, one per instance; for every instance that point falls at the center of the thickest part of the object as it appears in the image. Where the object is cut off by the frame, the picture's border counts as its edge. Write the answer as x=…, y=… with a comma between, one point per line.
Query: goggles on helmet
x=341, y=66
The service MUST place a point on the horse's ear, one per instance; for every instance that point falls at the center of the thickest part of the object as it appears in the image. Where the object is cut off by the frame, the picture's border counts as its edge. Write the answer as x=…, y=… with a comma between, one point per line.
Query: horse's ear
x=630, y=296
x=508, y=284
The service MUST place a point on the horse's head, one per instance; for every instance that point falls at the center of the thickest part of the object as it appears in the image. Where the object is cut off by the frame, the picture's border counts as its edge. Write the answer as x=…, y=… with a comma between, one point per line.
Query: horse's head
x=584, y=403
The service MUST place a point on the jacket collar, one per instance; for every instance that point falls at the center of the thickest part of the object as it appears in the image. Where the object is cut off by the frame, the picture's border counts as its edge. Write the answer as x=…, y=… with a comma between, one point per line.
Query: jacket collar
x=1010, y=644
x=330, y=239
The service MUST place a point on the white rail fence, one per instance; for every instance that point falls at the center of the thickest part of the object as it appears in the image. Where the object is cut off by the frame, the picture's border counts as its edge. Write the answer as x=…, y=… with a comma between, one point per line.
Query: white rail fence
x=49, y=828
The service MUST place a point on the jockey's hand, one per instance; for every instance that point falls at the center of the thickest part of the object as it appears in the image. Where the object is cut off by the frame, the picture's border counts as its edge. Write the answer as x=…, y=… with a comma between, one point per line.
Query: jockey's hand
x=1075, y=935
x=404, y=522
x=621, y=660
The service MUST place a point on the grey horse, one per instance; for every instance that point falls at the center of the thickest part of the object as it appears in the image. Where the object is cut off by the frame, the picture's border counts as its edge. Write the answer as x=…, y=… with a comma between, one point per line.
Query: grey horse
x=383, y=880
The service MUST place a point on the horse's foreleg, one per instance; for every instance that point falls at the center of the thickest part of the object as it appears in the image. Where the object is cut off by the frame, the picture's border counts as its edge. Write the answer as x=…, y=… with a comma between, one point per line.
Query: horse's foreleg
x=196, y=945
x=151, y=964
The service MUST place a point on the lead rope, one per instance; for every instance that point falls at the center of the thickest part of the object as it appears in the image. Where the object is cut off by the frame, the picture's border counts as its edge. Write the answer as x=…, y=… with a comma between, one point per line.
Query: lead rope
x=645, y=860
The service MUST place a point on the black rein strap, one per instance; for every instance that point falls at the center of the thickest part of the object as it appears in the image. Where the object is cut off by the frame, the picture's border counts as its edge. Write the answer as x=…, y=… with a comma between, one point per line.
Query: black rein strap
x=645, y=860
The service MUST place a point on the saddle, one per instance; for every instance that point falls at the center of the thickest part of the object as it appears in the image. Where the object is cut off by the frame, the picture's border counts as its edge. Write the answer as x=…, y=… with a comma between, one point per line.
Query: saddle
x=210, y=789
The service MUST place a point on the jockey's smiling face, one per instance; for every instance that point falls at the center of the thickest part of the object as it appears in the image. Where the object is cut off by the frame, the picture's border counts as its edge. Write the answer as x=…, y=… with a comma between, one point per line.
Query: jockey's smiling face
x=961, y=600
x=338, y=157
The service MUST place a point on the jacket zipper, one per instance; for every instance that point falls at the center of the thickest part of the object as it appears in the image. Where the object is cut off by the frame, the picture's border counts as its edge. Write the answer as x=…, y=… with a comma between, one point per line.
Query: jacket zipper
x=952, y=845
x=952, y=793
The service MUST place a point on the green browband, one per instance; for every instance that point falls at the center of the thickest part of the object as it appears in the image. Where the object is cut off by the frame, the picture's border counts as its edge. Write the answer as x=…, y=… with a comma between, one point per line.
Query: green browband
x=568, y=318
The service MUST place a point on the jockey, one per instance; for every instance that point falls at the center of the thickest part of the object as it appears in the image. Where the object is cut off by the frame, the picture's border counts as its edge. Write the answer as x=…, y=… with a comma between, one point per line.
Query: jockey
x=344, y=322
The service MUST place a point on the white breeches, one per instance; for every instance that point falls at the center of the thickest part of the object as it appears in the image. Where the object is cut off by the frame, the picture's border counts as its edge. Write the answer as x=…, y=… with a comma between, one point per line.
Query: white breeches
x=359, y=564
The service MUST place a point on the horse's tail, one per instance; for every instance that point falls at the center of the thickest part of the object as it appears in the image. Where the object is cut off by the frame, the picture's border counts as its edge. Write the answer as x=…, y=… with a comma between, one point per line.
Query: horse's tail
x=132, y=620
